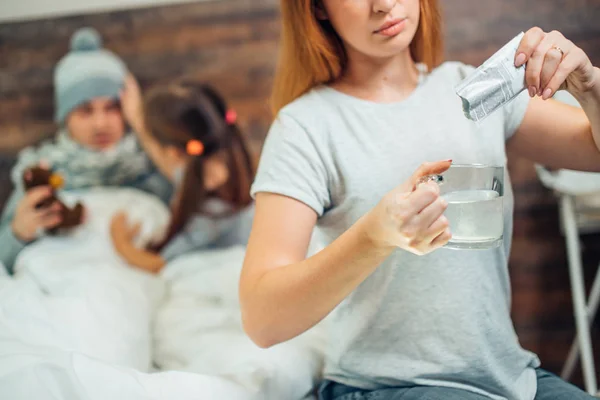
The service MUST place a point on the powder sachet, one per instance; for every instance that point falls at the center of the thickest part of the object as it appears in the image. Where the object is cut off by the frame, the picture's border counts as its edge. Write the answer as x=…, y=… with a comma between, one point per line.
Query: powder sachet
x=494, y=84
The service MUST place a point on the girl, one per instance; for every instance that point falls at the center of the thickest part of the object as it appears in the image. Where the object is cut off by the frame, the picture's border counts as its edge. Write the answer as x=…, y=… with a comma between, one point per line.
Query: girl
x=193, y=138
x=354, y=91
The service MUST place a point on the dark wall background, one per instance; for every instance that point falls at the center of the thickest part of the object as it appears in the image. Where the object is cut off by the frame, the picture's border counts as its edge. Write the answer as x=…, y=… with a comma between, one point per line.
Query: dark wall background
x=233, y=44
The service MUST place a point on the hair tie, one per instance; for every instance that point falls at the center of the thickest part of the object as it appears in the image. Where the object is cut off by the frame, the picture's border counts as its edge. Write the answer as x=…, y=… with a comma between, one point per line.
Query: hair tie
x=194, y=148
x=230, y=117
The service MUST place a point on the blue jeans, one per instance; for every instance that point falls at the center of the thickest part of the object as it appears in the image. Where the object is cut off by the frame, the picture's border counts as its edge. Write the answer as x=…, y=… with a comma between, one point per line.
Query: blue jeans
x=550, y=387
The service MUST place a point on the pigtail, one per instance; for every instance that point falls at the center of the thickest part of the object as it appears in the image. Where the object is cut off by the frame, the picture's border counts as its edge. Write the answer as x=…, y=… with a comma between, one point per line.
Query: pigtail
x=191, y=196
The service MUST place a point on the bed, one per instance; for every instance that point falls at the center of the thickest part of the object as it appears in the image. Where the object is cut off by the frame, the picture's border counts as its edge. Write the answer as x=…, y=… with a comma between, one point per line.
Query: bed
x=77, y=323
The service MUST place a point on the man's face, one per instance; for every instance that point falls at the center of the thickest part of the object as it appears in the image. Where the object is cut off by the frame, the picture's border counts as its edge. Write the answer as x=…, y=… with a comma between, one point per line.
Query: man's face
x=97, y=124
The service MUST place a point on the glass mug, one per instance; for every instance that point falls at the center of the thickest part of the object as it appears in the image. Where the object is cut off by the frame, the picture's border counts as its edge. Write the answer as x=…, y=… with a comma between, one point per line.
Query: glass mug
x=475, y=212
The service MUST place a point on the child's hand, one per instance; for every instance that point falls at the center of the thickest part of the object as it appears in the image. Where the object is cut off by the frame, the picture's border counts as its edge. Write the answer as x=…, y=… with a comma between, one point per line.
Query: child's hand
x=131, y=104
x=122, y=235
x=121, y=232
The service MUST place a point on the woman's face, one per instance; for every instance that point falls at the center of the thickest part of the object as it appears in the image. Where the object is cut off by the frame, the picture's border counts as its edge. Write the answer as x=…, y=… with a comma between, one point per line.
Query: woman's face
x=374, y=28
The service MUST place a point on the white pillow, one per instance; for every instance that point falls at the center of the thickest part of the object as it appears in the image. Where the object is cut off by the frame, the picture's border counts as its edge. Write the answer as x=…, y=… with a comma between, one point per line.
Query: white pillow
x=101, y=204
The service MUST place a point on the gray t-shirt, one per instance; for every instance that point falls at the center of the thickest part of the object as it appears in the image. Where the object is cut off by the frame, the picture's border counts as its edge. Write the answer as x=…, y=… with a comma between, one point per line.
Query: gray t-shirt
x=441, y=319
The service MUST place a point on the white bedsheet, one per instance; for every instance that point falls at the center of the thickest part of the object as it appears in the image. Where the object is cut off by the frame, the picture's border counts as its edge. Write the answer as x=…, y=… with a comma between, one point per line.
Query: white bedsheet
x=77, y=323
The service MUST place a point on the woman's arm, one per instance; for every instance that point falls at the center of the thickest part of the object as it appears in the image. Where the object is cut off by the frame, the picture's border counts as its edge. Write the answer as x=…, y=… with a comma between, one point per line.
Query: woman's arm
x=283, y=293
x=555, y=134
x=558, y=135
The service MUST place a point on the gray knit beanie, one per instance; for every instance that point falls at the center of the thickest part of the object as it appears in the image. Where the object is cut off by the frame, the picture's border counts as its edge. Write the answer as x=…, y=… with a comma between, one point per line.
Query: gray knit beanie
x=86, y=72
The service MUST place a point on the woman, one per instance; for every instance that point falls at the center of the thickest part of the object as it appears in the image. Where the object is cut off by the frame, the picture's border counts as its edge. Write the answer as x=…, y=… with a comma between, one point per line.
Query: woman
x=362, y=100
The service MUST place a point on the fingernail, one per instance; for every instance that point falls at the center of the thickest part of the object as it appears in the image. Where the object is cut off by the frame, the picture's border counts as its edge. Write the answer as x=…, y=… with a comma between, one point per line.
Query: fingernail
x=532, y=91
x=520, y=59
x=539, y=92
x=547, y=94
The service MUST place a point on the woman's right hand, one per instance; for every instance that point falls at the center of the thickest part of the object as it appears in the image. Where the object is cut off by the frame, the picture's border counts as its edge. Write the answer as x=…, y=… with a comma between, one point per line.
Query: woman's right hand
x=28, y=219
x=411, y=216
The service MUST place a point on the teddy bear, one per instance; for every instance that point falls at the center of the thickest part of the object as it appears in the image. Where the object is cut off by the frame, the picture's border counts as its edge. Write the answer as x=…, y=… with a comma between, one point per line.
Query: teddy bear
x=40, y=176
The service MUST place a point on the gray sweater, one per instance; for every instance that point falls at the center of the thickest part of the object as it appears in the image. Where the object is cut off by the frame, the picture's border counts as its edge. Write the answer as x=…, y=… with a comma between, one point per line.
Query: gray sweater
x=205, y=232
x=10, y=246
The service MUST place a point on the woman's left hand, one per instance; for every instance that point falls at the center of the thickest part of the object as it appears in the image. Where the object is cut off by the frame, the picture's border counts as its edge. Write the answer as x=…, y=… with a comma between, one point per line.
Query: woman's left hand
x=121, y=232
x=555, y=63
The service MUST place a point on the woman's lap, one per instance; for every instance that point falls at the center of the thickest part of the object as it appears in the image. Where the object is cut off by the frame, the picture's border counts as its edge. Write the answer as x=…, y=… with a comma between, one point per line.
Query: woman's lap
x=550, y=387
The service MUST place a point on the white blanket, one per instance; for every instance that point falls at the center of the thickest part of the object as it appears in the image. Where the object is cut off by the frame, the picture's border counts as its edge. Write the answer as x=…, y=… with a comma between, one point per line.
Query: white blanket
x=93, y=301
x=199, y=329
x=48, y=373
x=77, y=323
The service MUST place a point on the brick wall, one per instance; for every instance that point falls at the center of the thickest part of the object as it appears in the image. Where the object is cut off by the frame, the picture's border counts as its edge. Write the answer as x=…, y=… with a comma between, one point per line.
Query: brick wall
x=233, y=44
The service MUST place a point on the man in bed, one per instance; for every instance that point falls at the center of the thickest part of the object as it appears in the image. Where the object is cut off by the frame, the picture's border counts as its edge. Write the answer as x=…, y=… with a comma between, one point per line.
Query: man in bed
x=91, y=148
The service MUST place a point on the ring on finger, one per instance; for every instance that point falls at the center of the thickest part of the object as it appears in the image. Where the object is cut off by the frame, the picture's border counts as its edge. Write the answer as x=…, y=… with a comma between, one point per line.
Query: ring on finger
x=562, y=53
x=439, y=179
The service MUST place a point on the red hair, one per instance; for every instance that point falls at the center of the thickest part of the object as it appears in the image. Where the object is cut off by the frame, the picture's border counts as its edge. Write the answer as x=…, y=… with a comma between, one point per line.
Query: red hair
x=311, y=52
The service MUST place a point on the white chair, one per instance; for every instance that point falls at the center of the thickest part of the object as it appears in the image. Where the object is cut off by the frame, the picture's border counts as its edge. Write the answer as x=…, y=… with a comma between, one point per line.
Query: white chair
x=579, y=203
x=579, y=214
